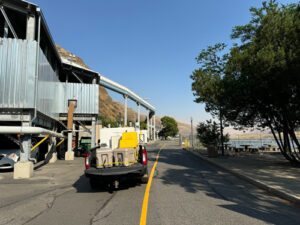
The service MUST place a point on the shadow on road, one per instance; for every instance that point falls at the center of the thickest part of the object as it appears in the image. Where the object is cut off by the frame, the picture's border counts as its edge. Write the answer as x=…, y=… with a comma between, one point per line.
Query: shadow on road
x=195, y=176
x=82, y=185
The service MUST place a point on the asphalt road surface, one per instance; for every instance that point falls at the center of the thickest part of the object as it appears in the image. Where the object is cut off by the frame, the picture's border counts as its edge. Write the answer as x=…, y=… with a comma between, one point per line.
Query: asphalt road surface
x=184, y=190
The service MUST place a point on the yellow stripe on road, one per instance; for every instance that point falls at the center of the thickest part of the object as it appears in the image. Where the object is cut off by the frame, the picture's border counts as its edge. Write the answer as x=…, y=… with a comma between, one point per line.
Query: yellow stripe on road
x=146, y=196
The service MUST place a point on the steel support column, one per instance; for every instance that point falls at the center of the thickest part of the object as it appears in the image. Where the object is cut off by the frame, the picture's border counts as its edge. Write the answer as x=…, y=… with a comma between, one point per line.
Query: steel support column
x=26, y=144
x=54, y=143
x=150, y=128
x=70, y=137
x=139, y=115
x=148, y=124
x=125, y=110
x=30, y=30
x=5, y=30
x=77, y=137
x=93, y=144
x=154, y=130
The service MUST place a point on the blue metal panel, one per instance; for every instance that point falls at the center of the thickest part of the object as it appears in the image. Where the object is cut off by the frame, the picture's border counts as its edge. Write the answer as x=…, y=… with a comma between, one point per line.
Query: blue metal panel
x=17, y=72
x=50, y=90
x=87, y=96
x=113, y=88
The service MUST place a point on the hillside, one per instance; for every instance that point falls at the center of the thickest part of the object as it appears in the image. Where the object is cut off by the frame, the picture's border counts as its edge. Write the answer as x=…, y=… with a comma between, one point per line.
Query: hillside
x=113, y=109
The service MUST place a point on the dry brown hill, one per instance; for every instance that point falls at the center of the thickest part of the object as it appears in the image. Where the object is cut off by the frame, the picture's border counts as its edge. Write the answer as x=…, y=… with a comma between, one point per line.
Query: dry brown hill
x=113, y=109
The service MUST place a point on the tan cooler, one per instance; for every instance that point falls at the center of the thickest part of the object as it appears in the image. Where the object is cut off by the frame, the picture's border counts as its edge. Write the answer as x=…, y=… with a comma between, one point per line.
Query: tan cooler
x=104, y=157
x=124, y=156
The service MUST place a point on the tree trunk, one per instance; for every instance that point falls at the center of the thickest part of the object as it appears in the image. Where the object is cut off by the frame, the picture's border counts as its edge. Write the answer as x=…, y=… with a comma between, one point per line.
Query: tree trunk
x=221, y=131
x=286, y=141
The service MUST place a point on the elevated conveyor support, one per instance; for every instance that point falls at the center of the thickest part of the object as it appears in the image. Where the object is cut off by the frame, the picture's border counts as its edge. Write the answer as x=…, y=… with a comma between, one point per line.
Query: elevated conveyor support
x=114, y=86
x=125, y=110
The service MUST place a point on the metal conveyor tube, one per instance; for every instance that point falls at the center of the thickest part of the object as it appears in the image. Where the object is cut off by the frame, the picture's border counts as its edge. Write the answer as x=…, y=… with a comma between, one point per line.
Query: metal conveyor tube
x=28, y=130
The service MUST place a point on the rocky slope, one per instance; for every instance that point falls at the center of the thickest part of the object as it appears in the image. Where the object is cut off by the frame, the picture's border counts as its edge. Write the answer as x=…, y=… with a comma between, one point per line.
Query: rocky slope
x=113, y=109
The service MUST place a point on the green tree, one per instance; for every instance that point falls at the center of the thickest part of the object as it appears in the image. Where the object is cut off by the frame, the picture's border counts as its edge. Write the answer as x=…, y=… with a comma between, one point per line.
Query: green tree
x=262, y=81
x=143, y=125
x=106, y=121
x=170, y=127
x=209, y=133
x=207, y=83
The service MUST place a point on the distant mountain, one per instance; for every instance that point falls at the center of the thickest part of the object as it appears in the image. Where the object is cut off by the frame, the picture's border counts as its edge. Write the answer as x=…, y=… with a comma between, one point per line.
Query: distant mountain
x=112, y=109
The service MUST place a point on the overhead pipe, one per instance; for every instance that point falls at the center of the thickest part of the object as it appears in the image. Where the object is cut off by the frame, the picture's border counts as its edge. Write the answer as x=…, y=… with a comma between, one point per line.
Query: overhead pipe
x=28, y=130
x=37, y=65
x=123, y=90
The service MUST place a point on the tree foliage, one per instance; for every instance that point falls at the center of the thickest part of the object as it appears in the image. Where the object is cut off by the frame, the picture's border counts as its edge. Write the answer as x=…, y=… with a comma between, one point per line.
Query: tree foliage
x=106, y=122
x=143, y=125
x=170, y=127
x=207, y=86
x=262, y=81
x=209, y=133
x=207, y=83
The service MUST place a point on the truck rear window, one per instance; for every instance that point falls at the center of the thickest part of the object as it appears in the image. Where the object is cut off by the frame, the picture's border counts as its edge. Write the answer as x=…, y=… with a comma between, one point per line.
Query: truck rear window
x=85, y=141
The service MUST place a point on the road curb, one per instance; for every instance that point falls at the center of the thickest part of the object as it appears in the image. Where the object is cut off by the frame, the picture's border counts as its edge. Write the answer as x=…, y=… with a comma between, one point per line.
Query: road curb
x=256, y=183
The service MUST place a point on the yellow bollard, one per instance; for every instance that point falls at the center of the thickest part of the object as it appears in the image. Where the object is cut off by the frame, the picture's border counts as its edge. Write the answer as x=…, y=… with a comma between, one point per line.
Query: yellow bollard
x=186, y=144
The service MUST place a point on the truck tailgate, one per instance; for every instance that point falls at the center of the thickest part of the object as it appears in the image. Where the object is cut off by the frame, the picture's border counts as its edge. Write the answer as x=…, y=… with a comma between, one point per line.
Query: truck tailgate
x=137, y=169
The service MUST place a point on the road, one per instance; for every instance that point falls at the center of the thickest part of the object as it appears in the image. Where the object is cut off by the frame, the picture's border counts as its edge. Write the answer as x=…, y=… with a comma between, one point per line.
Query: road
x=184, y=190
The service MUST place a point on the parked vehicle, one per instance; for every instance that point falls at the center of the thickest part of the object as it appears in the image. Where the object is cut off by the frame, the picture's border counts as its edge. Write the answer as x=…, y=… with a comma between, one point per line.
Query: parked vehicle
x=112, y=175
x=84, y=145
x=10, y=153
x=8, y=157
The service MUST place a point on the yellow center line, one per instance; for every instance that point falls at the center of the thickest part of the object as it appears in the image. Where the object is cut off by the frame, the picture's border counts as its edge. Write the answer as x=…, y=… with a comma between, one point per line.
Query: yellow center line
x=146, y=196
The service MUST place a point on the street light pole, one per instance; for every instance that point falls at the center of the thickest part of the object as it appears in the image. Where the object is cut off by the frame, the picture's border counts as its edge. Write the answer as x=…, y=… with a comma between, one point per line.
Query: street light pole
x=192, y=132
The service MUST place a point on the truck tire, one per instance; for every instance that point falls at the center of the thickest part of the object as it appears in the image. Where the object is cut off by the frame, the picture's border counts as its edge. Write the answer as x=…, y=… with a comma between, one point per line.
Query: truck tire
x=144, y=179
x=77, y=153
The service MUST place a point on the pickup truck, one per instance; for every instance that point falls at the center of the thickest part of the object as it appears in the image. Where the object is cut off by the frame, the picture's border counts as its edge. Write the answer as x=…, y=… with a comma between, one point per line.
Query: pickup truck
x=114, y=175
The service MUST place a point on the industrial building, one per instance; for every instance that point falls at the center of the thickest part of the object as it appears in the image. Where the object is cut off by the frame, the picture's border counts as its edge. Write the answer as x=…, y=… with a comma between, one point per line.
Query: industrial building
x=43, y=96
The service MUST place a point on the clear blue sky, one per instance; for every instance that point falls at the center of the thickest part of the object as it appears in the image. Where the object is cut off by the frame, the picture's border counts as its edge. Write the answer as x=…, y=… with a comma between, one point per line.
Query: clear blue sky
x=147, y=45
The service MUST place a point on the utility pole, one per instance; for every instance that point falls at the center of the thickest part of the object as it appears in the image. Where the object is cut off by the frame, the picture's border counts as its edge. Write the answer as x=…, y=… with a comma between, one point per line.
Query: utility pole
x=192, y=132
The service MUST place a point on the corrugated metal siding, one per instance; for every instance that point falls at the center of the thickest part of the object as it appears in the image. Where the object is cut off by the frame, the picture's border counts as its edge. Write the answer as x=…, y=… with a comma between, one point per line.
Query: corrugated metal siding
x=50, y=90
x=87, y=97
x=17, y=72
x=17, y=82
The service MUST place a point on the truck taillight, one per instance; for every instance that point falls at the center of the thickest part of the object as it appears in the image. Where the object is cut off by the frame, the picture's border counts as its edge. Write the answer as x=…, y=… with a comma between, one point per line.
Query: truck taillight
x=87, y=160
x=145, y=159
